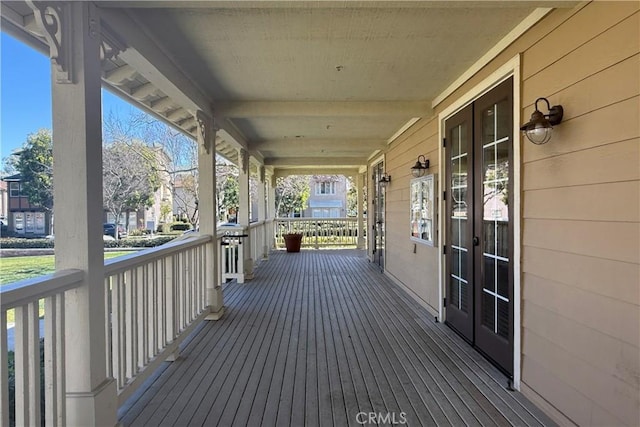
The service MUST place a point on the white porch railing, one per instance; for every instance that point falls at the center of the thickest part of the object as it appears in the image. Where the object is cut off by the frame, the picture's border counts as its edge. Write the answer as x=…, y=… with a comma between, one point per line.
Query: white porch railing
x=153, y=301
x=25, y=298
x=319, y=232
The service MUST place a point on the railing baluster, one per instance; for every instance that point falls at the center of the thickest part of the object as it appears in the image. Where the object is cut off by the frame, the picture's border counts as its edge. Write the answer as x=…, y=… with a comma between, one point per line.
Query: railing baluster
x=130, y=322
x=54, y=356
x=107, y=324
x=4, y=370
x=122, y=330
x=141, y=308
x=153, y=308
x=27, y=364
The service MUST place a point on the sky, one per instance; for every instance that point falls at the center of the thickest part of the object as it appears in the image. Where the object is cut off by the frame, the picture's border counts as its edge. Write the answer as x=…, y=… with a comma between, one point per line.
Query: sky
x=25, y=94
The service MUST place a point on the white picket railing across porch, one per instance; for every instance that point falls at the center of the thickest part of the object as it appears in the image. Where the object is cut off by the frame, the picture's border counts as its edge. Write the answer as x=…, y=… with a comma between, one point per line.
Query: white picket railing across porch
x=319, y=232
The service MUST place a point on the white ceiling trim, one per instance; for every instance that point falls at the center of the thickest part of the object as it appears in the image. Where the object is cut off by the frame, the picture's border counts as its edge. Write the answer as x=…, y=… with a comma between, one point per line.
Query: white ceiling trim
x=403, y=129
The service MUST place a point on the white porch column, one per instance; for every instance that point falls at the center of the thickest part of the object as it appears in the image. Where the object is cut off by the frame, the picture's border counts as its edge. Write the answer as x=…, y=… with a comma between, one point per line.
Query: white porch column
x=244, y=200
x=271, y=208
x=77, y=170
x=207, y=220
x=263, y=210
x=271, y=212
x=360, y=179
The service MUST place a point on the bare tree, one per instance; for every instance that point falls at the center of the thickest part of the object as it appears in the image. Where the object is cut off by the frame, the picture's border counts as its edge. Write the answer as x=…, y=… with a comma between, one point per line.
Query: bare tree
x=129, y=177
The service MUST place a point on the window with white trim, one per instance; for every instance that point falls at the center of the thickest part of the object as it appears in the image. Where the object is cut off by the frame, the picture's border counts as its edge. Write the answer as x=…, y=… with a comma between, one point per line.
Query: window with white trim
x=14, y=189
x=422, y=193
x=325, y=188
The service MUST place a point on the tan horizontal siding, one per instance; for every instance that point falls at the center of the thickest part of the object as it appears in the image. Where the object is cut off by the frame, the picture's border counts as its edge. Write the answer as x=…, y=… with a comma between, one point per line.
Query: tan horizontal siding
x=615, y=202
x=607, y=315
x=592, y=21
x=600, y=239
x=581, y=385
x=417, y=271
x=608, y=278
x=577, y=340
x=590, y=130
x=616, y=162
x=612, y=46
x=608, y=86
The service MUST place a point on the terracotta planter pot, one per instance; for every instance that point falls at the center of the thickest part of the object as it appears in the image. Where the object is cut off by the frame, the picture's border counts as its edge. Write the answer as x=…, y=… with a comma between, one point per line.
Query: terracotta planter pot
x=293, y=242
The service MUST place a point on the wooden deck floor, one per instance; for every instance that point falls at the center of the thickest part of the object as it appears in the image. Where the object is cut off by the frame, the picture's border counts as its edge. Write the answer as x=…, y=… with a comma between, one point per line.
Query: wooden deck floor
x=316, y=338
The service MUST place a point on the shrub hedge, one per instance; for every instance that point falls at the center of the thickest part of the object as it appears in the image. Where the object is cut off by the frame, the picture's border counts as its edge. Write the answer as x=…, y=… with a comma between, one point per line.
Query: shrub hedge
x=131, y=242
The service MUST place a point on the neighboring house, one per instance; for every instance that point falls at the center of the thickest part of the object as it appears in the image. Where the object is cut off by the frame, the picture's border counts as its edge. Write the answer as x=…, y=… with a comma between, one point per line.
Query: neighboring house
x=23, y=219
x=328, y=197
x=4, y=201
x=184, y=202
x=149, y=218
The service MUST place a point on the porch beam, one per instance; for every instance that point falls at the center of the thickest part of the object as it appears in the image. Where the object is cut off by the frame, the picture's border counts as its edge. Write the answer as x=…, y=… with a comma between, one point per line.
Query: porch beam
x=315, y=161
x=305, y=145
x=246, y=109
x=121, y=75
x=283, y=173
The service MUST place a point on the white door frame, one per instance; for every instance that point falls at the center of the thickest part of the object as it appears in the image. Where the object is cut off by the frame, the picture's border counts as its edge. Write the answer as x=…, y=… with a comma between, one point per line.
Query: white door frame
x=373, y=163
x=509, y=69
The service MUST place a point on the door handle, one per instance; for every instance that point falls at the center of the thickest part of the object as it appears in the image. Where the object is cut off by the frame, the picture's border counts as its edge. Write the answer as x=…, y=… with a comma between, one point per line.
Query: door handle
x=476, y=241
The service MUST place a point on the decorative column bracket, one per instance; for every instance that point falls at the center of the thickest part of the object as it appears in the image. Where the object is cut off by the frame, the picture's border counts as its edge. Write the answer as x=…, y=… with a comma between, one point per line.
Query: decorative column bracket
x=54, y=19
x=203, y=130
x=110, y=44
x=243, y=159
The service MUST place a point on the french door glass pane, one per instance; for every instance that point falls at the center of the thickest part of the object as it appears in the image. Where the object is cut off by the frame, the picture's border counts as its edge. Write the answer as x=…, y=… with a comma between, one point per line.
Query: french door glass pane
x=495, y=212
x=459, y=294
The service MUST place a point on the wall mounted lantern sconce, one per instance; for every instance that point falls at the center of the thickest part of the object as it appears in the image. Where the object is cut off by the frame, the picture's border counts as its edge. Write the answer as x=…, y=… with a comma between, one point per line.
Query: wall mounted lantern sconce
x=385, y=179
x=421, y=166
x=538, y=129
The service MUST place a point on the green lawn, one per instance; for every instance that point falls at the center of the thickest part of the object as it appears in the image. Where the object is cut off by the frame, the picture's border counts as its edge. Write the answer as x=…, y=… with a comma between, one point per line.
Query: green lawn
x=25, y=267
x=13, y=269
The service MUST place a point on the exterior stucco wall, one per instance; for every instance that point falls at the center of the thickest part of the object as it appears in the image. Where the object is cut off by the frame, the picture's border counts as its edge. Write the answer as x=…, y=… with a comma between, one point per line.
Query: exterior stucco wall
x=580, y=194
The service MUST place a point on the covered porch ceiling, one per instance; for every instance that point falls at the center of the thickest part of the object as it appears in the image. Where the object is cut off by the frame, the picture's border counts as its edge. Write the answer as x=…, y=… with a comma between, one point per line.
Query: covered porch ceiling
x=315, y=86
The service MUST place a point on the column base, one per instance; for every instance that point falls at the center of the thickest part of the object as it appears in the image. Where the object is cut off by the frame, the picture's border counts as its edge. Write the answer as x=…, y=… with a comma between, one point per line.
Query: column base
x=217, y=315
x=248, y=269
x=98, y=407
